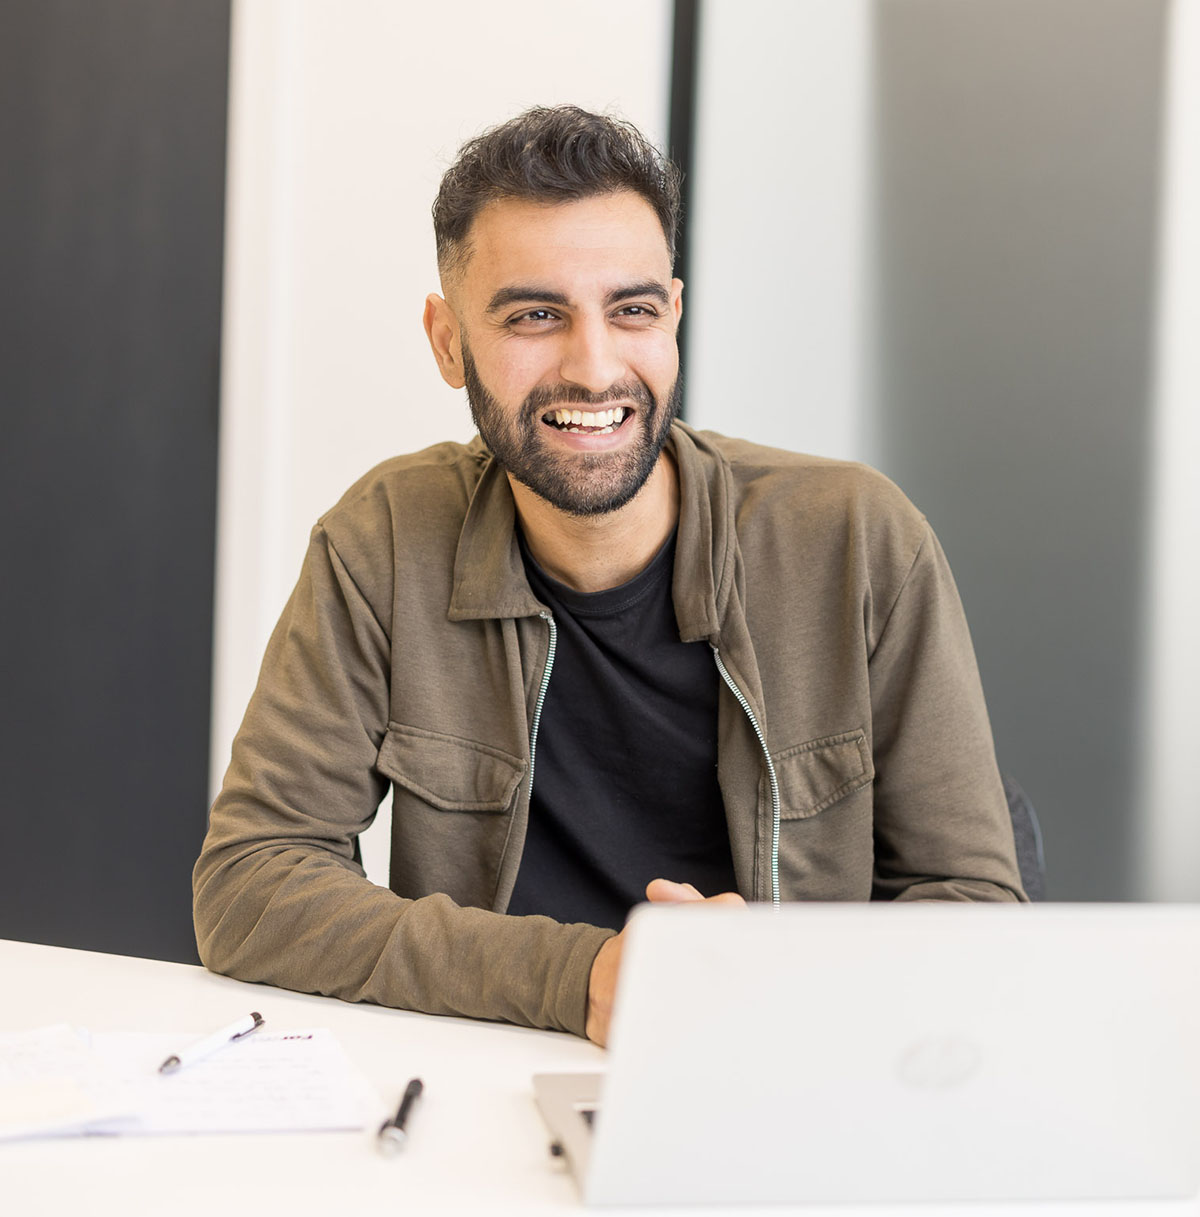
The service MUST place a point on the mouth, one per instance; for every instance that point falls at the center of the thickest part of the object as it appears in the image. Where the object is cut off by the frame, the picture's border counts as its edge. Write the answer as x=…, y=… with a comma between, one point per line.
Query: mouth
x=587, y=422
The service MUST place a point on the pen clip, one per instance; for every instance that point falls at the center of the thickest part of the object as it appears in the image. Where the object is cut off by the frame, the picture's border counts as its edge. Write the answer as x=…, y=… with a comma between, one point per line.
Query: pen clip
x=258, y=1022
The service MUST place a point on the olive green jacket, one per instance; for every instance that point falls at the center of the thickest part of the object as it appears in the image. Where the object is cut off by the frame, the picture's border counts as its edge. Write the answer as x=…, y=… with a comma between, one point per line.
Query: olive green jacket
x=855, y=756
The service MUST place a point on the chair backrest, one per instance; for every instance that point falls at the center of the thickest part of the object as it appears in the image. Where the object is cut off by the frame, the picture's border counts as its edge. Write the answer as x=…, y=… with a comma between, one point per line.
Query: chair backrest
x=1027, y=835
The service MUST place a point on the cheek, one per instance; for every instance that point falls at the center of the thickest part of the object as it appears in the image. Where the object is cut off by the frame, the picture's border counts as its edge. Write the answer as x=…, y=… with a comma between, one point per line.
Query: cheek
x=658, y=362
x=514, y=372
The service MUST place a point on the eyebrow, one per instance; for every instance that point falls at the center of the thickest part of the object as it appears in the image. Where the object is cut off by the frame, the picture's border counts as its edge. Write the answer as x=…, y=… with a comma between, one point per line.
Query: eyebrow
x=529, y=294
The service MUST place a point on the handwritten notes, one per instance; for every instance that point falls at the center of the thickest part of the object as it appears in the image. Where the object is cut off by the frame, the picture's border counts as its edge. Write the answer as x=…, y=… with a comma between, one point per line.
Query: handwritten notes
x=66, y=1080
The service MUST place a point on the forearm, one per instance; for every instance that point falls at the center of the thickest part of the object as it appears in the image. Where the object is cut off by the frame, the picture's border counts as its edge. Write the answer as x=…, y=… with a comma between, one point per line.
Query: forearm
x=314, y=923
x=278, y=894
x=974, y=890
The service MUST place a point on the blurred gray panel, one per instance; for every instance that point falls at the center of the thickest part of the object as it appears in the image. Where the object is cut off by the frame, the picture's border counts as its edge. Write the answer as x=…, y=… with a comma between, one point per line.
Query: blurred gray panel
x=112, y=137
x=1018, y=151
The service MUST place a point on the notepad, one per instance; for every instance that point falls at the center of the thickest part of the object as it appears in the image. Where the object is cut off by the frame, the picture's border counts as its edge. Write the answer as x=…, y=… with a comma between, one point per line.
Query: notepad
x=52, y=1082
x=62, y=1081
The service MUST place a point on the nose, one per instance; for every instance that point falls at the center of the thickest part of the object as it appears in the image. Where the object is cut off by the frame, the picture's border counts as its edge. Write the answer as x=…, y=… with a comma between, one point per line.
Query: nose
x=591, y=357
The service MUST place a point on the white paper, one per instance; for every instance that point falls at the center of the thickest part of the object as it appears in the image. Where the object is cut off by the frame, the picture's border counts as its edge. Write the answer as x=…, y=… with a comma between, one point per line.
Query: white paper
x=287, y=1081
x=52, y=1082
x=59, y=1080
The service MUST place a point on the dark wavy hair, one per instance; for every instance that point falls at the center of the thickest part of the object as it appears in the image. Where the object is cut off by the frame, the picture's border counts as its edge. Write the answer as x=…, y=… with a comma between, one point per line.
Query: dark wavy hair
x=550, y=155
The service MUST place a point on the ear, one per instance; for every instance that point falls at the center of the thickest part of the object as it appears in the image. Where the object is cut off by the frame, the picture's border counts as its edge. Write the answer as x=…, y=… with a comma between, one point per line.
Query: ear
x=441, y=327
x=676, y=304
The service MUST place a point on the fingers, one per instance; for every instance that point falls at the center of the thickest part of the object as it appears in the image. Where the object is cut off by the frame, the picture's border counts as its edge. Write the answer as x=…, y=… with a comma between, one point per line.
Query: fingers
x=730, y=898
x=664, y=891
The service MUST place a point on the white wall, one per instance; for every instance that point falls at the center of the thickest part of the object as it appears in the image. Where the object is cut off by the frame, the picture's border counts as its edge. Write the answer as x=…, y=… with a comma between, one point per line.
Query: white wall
x=779, y=344
x=1171, y=779
x=343, y=116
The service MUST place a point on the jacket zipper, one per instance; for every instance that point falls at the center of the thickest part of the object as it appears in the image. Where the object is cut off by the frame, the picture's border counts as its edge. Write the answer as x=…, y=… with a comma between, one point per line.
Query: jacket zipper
x=775, y=811
x=541, y=697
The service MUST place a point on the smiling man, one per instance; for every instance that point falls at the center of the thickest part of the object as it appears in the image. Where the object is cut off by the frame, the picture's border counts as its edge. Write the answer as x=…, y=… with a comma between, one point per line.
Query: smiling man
x=735, y=673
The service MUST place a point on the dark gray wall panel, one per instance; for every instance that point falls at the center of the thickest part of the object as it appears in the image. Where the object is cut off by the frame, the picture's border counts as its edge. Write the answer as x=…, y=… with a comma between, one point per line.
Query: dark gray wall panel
x=113, y=146
x=1017, y=158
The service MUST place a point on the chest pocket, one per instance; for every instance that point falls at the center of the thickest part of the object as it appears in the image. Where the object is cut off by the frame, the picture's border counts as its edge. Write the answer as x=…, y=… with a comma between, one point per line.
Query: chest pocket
x=451, y=774
x=815, y=775
x=826, y=847
x=452, y=807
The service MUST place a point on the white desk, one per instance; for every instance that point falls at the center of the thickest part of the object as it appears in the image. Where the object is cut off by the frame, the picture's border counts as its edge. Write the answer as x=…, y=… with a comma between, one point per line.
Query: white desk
x=477, y=1143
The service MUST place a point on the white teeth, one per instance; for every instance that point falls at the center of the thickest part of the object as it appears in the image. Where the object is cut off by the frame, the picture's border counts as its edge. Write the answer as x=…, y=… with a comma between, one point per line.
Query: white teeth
x=589, y=418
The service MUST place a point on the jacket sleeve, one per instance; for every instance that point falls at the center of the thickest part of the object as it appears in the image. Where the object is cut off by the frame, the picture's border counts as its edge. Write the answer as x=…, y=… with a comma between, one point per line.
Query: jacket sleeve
x=279, y=894
x=942, y=827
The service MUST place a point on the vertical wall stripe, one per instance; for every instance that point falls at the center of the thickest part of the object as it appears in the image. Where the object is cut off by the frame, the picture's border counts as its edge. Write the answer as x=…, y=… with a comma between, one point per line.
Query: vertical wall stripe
x=685, y=45
x=111, y=219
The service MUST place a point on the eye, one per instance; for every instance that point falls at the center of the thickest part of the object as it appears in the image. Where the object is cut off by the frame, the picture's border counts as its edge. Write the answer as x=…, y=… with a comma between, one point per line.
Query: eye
x=637, y=312
x=534, y=317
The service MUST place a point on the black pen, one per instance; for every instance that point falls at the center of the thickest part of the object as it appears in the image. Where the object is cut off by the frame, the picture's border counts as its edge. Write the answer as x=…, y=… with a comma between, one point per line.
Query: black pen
x=391, y=1135
x=210, y=1043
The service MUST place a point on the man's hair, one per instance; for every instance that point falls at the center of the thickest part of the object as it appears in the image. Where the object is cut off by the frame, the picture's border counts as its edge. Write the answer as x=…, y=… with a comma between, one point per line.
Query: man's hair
x=553, y=154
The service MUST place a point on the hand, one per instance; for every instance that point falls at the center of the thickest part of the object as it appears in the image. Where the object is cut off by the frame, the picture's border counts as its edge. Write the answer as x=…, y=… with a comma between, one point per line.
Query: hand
x=664, y=891
x=602, y=985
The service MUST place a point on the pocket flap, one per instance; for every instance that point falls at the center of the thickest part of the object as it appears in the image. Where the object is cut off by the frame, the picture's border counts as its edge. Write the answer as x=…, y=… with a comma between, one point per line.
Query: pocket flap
x=450, y=773
x=816, y=774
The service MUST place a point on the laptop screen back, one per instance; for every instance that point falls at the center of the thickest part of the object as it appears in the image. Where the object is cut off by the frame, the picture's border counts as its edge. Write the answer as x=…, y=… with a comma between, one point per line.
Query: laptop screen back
x=832, y=1053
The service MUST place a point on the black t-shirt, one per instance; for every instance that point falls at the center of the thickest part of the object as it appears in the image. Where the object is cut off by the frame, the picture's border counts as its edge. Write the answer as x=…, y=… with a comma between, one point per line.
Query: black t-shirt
x=625, y=784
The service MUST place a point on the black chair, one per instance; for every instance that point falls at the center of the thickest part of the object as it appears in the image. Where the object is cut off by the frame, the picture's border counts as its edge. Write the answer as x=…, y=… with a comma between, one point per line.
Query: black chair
x=1027, y=834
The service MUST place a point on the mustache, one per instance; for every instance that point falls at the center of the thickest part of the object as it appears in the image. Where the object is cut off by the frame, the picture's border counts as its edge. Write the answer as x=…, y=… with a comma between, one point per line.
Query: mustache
x=543, y=397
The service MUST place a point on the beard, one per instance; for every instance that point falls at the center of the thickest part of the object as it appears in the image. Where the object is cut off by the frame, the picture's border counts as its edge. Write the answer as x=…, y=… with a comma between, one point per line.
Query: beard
x=580, y=484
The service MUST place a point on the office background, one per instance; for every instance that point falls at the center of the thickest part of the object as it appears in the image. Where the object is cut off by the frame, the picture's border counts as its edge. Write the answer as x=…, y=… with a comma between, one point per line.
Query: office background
x=959, y=241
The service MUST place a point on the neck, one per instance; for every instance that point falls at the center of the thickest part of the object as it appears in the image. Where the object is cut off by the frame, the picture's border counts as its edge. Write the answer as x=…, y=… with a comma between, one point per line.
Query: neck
x=593, y=553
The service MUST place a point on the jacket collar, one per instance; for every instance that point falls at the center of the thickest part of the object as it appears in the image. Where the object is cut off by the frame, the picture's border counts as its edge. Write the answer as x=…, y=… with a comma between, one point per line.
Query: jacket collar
x=489, y=576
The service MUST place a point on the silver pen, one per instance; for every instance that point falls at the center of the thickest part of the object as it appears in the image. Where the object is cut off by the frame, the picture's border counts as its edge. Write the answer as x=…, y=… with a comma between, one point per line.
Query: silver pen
x=210, y=1043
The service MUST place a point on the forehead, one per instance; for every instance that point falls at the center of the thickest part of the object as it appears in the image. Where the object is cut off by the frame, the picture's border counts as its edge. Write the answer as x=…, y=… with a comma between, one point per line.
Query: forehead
x=593, y=241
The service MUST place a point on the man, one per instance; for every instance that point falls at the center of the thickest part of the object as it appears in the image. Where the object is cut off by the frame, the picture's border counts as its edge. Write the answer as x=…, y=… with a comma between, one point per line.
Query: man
x=732, y=670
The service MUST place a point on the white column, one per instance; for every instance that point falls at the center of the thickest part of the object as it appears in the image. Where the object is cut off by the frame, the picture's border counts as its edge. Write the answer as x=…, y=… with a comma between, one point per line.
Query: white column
x=1171, y=779
x=778, y=310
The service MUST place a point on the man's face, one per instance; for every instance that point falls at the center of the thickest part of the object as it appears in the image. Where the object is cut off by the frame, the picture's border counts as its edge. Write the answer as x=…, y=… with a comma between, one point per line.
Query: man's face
x=563, y=332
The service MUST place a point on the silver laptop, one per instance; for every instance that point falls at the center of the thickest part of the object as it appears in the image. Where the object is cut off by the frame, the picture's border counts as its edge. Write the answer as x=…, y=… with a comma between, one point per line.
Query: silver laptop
x=876, y=1053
